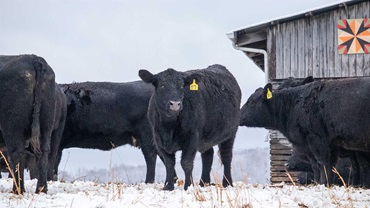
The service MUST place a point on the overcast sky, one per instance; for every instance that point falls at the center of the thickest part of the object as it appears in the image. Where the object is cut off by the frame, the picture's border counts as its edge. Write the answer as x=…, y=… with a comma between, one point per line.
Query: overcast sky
x=112, y=40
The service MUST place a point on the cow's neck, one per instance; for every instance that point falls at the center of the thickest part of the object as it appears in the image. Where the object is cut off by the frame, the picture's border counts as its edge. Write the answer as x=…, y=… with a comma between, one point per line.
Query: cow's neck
x=166, y=127
x=285, y=101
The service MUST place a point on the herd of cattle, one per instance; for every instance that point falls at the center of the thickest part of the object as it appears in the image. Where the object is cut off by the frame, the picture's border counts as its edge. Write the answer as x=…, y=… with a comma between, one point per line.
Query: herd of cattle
x=171, y=111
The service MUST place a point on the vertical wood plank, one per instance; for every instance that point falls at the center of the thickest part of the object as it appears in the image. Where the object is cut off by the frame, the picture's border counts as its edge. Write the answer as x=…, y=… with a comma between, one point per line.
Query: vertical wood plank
x=301, y=48
x=279, y=52
x=308, y=44
x=293, y=49
x=330, y=37
x=359, y=58
x=322, y=46
x=344, y=58
x=286, y=46
x=366, y=65
x=315, y=46
x=271, y=51
x=352, y=57
x=337, y=57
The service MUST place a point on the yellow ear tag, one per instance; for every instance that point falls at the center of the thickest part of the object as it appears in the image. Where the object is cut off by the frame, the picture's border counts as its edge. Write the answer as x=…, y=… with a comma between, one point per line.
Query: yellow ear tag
x=268, y=94
x=194, y=85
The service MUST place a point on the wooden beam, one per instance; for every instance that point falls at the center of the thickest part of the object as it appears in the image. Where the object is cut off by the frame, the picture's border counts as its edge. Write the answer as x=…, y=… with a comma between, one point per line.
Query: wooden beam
x=249, y=38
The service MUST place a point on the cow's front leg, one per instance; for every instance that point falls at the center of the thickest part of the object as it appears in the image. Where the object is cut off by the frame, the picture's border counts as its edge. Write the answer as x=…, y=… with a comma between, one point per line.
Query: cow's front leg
x=187, y=164
x=169, y=162
x=207, y=160
x=187, y=158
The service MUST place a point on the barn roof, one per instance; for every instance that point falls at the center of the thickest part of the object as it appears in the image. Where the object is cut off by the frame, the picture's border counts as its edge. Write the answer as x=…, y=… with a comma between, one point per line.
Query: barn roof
x=255, y=35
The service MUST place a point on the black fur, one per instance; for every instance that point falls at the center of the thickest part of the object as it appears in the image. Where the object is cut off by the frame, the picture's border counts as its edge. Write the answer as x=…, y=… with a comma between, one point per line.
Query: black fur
x=319, y=119
x=32, y=113
x=293, y=82
x=344, y=154
x=193, y=121
x=105, y=115
x=344, y=167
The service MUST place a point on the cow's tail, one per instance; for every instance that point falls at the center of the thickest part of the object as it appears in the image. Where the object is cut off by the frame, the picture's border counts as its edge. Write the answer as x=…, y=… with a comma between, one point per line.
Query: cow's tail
x=39, y=67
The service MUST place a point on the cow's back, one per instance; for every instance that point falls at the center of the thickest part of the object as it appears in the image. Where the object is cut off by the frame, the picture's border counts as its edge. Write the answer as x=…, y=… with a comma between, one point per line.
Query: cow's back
x=17, y=84
x=102, y=114
x=345, y=110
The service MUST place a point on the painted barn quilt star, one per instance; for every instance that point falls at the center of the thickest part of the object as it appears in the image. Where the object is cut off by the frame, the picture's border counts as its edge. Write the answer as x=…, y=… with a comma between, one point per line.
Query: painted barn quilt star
x=354, y=36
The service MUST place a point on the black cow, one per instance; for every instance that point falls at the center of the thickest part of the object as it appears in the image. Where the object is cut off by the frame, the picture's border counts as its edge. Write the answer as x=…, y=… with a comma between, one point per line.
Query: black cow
x=344, y=154
x=323, y=116
x=104, y=115
x=193, y=111
x=32, y=114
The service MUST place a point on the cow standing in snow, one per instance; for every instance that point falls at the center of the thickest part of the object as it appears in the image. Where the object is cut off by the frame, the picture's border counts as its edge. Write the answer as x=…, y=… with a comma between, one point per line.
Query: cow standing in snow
x=193, y=111
x=324, y=116
x=105, y=115
x=32, y=115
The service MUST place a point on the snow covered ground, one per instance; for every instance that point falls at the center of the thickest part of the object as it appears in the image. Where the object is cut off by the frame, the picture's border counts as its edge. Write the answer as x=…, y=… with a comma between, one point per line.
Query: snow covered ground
x=92, y=188
x=90, y=194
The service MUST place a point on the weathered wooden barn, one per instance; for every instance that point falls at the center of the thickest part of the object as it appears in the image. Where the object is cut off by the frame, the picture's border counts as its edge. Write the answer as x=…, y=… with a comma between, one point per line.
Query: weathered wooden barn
x=332, y=41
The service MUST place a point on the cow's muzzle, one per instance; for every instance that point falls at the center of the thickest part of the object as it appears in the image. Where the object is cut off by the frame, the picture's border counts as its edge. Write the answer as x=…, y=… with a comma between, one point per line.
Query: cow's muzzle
x=175, y=105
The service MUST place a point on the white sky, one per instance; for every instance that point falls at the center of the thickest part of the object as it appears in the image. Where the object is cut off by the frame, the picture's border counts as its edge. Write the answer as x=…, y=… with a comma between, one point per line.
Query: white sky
x=112, y=40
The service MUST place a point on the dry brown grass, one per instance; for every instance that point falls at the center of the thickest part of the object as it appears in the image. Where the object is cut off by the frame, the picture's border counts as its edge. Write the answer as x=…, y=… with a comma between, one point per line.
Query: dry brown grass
x=17, y=185
x=290, y=178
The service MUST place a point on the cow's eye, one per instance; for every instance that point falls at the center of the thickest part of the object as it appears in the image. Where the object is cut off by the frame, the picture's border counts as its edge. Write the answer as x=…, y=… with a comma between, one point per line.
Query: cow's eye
x=182, y=86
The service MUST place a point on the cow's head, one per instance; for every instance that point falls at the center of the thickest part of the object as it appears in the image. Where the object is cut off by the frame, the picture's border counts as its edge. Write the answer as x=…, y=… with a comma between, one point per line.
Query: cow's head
x=170, y=86
x=256, y=111
x=75, y=97
x=294, y=163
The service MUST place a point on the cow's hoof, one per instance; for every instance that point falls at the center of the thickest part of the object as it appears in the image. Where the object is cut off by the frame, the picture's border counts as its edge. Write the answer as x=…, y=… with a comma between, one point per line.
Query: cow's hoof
x=226, y=183
x=149, y=181
x=204, y=183
x=20, y=192
x=41, y=189
x=168, y=188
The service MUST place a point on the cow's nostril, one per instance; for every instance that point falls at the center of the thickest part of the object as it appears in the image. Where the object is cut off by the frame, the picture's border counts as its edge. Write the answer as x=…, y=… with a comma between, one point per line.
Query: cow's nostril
x=175, y=105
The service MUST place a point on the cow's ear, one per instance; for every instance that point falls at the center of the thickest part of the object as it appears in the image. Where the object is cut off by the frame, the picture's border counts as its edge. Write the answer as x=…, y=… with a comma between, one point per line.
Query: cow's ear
x=85, y=96
x=308, y=80
x=192, y=79
x=268, y=91
x=146, y=76
x=64, y=88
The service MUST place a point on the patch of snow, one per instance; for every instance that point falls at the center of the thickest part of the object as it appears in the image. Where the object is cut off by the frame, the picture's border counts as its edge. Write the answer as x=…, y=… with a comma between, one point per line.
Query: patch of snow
x=90, y=194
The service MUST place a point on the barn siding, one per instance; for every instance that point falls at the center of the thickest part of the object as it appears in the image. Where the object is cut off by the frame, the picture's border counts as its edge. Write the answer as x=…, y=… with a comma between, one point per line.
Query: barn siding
x=316, y=38
x=301, y=49
x=359, y=58
x=279, y=52
x=352, y=57
x=271, y=49
x=286, y=29
x=336, y=71
x=315, y=48
x=308, y=47
x=294, y=49
x=331, y=43
x=366, y=61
